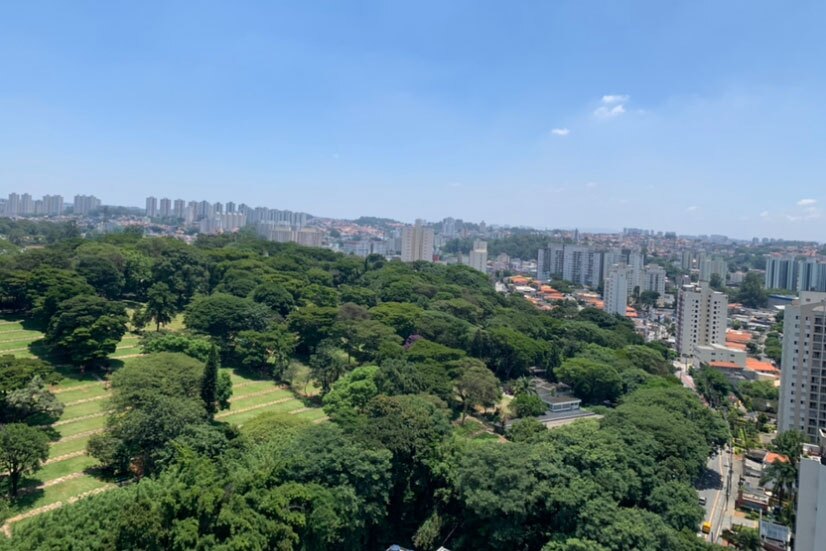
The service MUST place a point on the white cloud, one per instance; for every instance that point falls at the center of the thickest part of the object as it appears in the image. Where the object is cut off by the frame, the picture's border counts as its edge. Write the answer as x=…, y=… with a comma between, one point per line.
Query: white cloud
x=692, y=208
x=560, y=131
x=806, y=202
x=616, y=98
x=613, y=105
x=591, y=185
x=764, y=214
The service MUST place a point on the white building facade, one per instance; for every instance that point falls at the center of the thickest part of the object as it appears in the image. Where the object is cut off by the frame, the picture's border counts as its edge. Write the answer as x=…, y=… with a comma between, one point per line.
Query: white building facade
x=701, y=317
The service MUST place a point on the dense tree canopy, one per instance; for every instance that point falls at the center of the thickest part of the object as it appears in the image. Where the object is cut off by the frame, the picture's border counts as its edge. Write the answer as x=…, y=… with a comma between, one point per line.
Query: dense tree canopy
x=399, y=355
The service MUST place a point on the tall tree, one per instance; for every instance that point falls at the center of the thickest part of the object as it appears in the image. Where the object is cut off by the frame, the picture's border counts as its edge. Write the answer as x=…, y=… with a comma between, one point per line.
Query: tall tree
x=477, y=386
x=22, y=450
x=160, y=305
x=209, y=384
x=86, y=328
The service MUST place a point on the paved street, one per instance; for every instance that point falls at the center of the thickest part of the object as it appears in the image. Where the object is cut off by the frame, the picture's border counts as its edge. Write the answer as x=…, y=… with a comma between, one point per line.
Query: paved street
x=719, y=486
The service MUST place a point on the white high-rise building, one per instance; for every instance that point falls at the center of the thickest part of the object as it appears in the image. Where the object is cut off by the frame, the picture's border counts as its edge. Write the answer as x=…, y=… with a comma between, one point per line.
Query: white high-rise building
x=179, y=208
x=26, y=204
x=616, y=289
x=810, y=528
x=582, y=265
x=478, y=257
x=654, y=279
x=609, y=259
x=711, y=266
x=151, y=207
x=802, y=390
x=53, y=205
x=701, y=317
x=165, y=210
x=13, y=205
x=85, y=204
x=417, y=243
x=635, y=267
x=781, y=273
x=550, y=262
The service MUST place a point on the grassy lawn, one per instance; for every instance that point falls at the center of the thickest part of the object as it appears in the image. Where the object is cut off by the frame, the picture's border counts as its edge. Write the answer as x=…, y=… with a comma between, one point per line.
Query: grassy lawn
x=277, y=394
x=56, y=450
x=80, y=410
x=81, y=426
x=64, y=468
x=238, y=418
x=74, y=395
x=250, y=388
x=58, y=492
x=311, y=414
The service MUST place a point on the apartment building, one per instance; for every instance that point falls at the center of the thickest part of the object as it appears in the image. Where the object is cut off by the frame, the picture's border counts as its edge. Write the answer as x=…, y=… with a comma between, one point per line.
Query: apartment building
x=616, y=289
x=417, y=243
x=654, y=279
x=803, y=376
x=701, y=317
x=810, y=527
x=478, y=257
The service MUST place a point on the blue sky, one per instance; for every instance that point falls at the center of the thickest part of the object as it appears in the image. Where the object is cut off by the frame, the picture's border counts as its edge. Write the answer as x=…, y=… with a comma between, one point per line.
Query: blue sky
x=699, y=117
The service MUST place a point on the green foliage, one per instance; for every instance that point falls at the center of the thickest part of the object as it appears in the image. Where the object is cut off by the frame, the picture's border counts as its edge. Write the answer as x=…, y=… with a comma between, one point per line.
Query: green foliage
x=592, y=381
x=86, y=329
x=209, y=383
x=160, y=305
x=751, y=293
x=154, y=400
x=223, y=316
x=477, y=387
x=22, y=450
x=712, y=385
x=191, y=345
x=527, y=405
x=265, y=352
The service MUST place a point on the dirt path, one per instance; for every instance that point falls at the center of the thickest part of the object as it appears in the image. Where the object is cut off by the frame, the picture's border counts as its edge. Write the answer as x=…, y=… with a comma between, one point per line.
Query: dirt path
x=85, y=400
x=78, y=436
x=227, y=413
x=81, y=418
x=65, y=456
x=59, y=390
x=254, y=394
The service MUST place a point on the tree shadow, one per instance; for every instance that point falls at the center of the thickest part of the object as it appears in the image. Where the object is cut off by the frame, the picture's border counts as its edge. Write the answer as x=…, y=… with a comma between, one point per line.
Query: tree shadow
x=709, y=480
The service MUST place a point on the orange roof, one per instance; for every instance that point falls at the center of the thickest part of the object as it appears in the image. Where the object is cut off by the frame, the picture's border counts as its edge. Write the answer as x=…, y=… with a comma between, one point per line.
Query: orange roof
x=519, y=280
x=725, y=365
x=763, y=367
x=548, y=289
x=736, y=346
x=630, y=312
x=741, y=337
x=773, y=457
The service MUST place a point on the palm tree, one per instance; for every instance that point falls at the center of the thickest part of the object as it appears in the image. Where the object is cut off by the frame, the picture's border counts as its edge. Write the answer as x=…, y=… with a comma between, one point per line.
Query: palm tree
x=783, y=475
x=524, y=385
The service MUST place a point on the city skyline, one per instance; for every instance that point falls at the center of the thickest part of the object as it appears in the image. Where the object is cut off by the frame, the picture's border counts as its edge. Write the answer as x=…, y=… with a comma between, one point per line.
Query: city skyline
x=542, y=115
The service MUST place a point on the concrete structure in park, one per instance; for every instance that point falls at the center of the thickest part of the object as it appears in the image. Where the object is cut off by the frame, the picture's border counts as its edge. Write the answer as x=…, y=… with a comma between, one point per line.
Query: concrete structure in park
x=803, y=377
x=417, y=243
x=701, y=317
x=616, y=289
x=810, y=529
x=653, y=280
x=478, y=257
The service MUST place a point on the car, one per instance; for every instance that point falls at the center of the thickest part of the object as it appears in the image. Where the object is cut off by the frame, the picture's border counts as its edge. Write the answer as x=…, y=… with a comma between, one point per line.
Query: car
x=702, y=500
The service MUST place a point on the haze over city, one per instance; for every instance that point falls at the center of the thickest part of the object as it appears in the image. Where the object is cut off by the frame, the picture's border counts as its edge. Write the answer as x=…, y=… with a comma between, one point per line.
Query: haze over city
x=701, y=118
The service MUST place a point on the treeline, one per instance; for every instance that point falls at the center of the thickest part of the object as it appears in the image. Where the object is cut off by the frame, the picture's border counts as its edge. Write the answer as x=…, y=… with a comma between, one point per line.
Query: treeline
x=402, y=354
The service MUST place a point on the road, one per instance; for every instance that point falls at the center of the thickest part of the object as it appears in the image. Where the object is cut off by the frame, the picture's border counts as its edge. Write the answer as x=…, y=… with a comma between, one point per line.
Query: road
x=719, y=486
